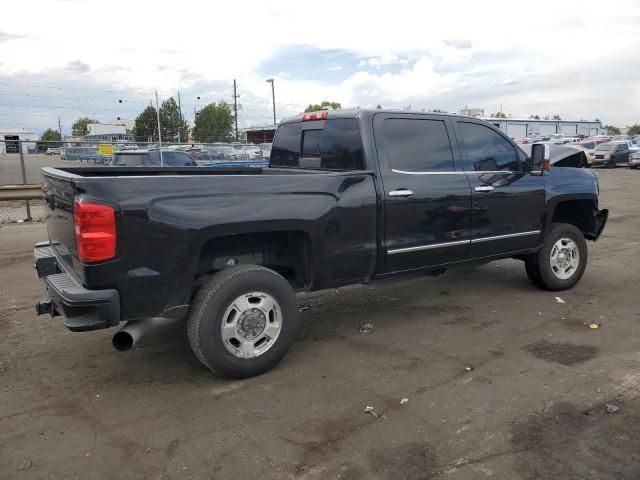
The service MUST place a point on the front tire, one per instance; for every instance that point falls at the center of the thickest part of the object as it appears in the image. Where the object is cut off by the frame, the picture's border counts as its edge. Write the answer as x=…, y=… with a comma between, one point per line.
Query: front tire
x=243, y=321
x=561, y=261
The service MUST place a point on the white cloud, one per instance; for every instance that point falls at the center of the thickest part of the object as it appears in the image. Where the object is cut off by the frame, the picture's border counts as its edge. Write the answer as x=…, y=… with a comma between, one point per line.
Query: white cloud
x=381, y=61
x=551, y=59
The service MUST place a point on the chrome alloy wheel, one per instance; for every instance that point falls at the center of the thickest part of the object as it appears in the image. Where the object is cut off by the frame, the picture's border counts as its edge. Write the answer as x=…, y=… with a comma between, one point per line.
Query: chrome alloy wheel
x=251, y=324
x=565, y=258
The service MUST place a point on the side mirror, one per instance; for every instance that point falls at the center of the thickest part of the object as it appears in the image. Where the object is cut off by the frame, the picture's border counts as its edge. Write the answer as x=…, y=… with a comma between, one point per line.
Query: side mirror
x=539, y=161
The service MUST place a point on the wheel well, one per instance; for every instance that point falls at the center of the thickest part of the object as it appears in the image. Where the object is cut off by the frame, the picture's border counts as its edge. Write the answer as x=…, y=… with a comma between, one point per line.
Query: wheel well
x=581, y=213
x=286, y=252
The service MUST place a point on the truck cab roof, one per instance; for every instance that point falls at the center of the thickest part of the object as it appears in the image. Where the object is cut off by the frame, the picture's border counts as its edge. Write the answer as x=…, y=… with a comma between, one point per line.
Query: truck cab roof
x=357, y=112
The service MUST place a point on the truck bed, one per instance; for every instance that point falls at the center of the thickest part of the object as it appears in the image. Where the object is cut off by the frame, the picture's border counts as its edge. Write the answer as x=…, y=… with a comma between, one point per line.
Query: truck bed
x=172, y=171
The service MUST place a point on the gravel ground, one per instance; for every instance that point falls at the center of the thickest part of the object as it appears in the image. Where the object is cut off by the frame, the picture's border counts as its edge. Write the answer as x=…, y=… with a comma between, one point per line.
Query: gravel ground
x=502, y=380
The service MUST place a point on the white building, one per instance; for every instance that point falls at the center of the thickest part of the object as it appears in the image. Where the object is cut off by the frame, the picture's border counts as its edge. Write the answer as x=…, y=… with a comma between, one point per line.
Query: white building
x=522, y=128
x=472, y=112
x=105, y=129
x=106, y=132
x=128, y=124
x=10, y=138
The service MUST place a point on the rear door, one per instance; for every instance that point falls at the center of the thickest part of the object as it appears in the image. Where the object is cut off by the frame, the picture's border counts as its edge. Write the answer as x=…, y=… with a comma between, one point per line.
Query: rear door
x=427, y=198
x=622, y=153
x=507, y=202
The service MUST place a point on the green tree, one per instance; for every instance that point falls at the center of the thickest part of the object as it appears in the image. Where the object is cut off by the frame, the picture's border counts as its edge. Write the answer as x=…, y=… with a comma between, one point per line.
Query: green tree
x=318, y=106
x=146, y=125
x=50, y=135
x=534, y=117
x=612, y=130
x=80, y=126
x=556, y=117
x=214, y=123
x=50, y=138
x=174, y=127
x=634, y=129
x=498, y=115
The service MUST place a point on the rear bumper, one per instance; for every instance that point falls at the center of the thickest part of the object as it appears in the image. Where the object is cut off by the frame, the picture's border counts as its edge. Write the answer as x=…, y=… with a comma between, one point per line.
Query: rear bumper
x=82, y=309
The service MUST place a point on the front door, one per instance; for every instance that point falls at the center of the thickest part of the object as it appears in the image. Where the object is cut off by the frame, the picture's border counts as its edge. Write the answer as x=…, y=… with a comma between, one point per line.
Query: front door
x=427, y=198
x=507, y=202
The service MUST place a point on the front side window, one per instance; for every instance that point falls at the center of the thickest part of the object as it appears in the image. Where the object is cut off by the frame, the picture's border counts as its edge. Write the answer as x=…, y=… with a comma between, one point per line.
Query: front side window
x=417, y=145
x=487, y=150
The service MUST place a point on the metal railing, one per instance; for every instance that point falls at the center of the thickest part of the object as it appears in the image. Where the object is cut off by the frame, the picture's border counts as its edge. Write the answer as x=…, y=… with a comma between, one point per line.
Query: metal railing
x=21, y=163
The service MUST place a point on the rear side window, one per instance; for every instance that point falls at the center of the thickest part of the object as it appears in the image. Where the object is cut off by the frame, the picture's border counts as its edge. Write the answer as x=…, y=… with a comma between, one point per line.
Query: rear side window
x=417, y=145
x=487, y=150
x=336, y=145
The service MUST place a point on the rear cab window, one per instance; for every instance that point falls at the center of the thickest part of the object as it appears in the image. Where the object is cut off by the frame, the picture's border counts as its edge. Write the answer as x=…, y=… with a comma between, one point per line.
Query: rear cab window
x=331, y=144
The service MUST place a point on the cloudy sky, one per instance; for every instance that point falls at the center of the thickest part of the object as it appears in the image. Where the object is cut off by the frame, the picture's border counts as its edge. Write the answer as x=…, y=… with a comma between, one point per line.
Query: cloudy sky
x=69, y=58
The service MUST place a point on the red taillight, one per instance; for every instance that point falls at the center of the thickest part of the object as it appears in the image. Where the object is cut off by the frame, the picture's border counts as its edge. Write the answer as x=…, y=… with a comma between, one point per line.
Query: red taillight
x=95, y=227
x=322, y=115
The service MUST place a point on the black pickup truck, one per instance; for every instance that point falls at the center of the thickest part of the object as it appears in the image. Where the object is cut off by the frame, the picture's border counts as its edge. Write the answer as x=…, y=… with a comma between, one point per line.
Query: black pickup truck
x=349, y=196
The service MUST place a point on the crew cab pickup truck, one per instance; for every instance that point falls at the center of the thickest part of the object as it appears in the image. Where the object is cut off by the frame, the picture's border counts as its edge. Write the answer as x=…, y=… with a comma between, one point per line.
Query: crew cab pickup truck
x=350, y=196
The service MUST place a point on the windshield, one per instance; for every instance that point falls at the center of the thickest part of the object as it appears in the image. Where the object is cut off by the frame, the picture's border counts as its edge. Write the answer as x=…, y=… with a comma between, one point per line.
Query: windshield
x=604, y=147
x=130, y=159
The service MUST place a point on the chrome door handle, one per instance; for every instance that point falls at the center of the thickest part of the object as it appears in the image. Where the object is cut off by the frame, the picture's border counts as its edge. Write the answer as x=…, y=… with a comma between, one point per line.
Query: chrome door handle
x=485, y=188
x=401, y=192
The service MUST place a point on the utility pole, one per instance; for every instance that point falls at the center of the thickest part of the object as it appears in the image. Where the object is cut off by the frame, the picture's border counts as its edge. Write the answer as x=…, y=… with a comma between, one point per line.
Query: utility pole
x=273, y=95
x=235, y=105
x=59, y=128
x=180, y=109
x=159, y=131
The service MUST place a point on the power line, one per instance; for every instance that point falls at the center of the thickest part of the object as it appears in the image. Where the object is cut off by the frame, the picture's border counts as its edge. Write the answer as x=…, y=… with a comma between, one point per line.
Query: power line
x=28, y=85
x=69, y=98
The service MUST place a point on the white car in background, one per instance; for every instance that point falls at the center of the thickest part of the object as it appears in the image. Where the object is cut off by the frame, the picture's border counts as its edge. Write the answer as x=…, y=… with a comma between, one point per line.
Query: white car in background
x=588, y=146
x=634, y=160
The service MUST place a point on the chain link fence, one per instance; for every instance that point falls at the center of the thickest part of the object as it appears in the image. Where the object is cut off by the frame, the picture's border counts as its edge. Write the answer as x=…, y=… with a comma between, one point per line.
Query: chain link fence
x=21, y=163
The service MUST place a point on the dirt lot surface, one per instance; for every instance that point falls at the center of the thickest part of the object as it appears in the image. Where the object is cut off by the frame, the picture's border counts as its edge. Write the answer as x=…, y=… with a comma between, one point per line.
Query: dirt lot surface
x=502, y=380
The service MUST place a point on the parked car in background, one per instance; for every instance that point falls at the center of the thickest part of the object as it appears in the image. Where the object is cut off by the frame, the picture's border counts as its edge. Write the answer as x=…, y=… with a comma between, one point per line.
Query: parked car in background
x=611, y=154
x=151, y=157
x=265, y=148
x=54, y=151
x=634, y=160
x=588, y=147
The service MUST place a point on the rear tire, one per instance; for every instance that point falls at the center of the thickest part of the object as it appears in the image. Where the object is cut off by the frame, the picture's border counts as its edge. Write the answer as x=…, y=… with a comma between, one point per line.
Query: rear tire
x=243, y=321
x=562, y=260
x=611, y=164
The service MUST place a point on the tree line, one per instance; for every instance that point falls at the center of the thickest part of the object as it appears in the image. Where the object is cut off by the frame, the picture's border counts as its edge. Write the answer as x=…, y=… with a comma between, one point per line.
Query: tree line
x=214, y=123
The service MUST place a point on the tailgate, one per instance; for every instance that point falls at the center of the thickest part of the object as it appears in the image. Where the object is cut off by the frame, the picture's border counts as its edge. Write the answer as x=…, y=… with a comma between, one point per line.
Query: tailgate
x=60, y=194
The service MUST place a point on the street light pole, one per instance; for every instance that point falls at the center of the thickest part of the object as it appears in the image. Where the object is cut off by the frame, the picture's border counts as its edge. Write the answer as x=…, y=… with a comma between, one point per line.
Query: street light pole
x=273, y=95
